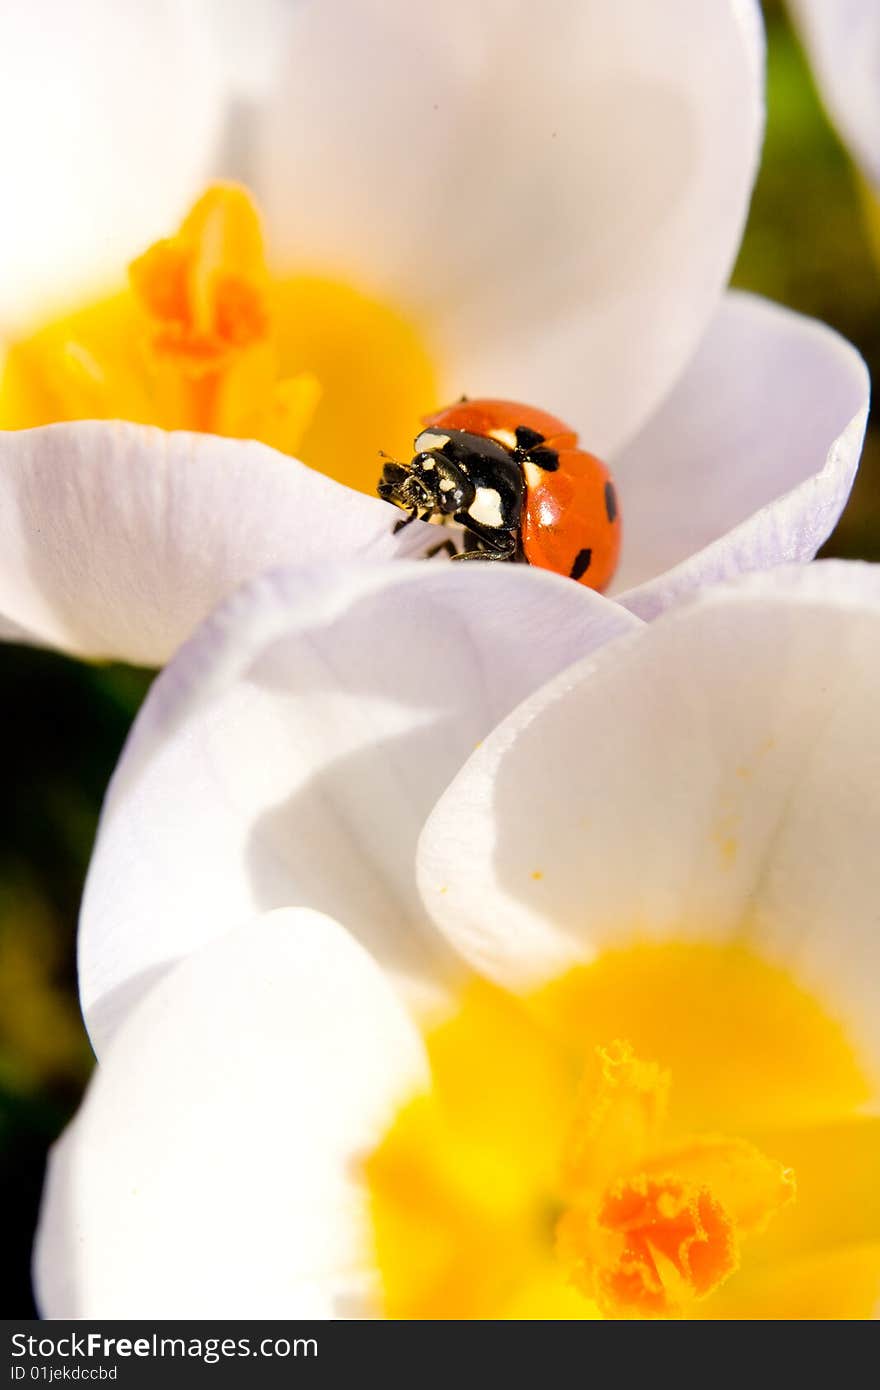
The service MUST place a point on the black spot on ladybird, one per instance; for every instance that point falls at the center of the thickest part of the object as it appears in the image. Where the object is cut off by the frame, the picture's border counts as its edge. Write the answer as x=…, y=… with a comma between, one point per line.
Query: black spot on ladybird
x=548, y=459
x=611, y=502
x=581, y=563
x=527, y=438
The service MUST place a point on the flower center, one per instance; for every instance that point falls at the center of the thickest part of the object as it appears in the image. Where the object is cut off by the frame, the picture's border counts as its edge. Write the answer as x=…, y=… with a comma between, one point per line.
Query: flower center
x=206, y=339
x=551, y=1173
x=210, y=347
x=650, y=1227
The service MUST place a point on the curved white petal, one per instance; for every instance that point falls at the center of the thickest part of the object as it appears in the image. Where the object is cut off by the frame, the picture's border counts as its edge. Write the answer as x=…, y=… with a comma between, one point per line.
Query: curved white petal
x=842, y=39
x=291, y=752
x=212, y=1171
x=714, y=774
x=556, y=190
x=750, y=460
x=110, y=113
x=117, y=539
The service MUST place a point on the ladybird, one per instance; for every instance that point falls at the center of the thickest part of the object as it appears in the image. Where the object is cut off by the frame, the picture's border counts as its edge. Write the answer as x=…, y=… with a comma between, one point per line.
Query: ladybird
x=515, y=480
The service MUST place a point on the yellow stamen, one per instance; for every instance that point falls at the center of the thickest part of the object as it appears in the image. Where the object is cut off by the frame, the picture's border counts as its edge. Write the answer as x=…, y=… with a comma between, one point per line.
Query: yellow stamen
x=550, y=1173
x=206, y=338
x=621, y=1108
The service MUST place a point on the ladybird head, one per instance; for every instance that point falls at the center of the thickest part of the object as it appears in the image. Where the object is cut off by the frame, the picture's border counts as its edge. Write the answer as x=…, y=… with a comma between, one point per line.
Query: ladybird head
x=431, y=484
x=403, y=485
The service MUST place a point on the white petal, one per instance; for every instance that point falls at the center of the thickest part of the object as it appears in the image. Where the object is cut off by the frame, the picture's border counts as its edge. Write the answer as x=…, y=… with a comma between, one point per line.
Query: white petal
x=249, y=42
x=212, y=1171
x=556, y=190
x=715, y=773
x=110, y=113
x=749, y=462
x=117, y=539
x=842, y=39
x=292, y=751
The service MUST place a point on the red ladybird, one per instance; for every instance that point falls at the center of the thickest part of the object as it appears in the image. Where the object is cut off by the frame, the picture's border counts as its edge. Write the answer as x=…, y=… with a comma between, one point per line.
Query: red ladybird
x=515, y=480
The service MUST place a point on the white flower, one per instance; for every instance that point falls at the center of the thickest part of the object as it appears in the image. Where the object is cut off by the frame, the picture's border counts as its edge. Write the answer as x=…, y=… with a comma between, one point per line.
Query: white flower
x=537, y=202
x=313, y=693
x=842, y=39
x=667, y=853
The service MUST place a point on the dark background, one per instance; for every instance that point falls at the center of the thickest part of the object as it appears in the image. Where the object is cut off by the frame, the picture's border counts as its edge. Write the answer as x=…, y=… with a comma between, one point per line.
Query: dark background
x=63, y=723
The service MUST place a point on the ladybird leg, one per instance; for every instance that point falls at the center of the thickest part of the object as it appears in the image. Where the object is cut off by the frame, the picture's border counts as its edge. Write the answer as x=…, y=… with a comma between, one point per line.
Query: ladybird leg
x=448, y=546
x=404, y=521
x=472, y=548
x=483, y=555
x=492, y=542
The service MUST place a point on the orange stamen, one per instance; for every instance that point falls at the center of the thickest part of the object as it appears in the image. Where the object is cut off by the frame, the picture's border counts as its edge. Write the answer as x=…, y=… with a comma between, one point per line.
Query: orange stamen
x=651, y=1228
x=206, y=295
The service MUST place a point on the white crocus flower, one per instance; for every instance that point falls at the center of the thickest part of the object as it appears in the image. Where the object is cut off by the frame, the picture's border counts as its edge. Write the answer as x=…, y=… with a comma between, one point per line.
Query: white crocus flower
x=535, y=202
x=842, y=40
x=359, y=679
x=654, y=1093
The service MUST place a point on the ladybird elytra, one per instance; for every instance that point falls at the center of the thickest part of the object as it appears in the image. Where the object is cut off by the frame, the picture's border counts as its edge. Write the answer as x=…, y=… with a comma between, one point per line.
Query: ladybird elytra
x=515, y=479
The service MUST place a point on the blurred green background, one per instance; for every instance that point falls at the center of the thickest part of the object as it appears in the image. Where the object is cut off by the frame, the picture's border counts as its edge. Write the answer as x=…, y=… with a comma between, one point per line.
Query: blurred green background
x=807, y=245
